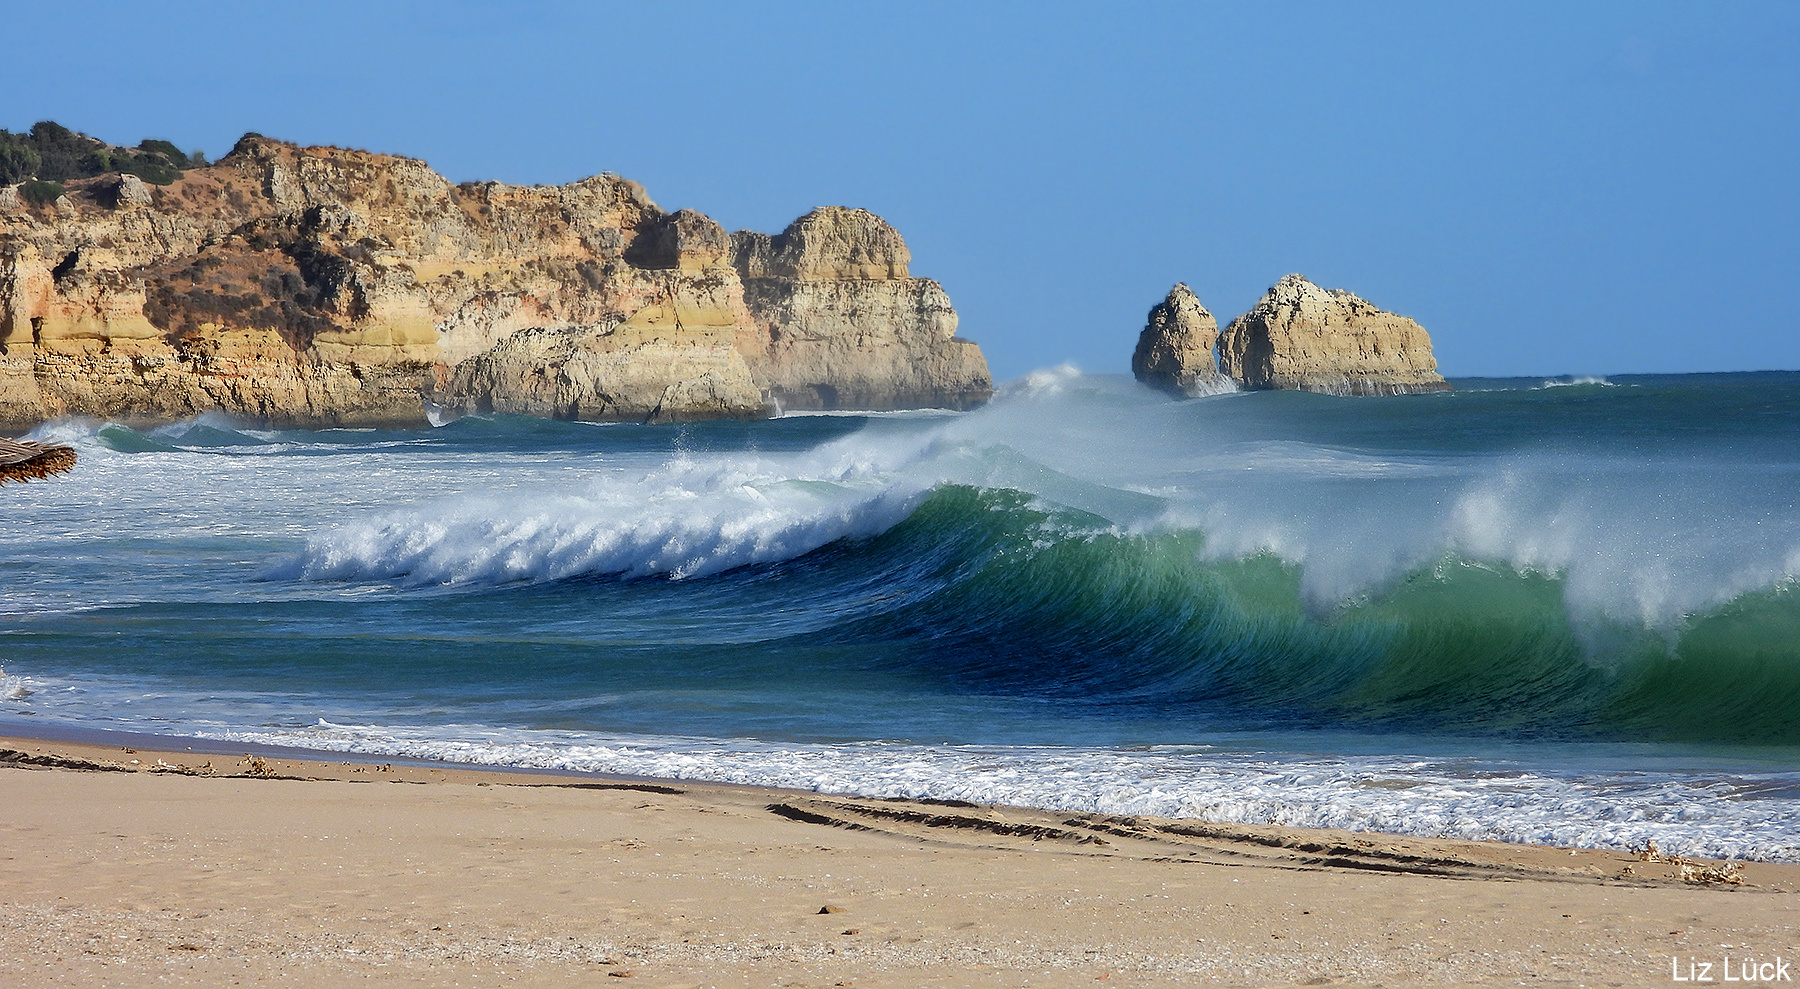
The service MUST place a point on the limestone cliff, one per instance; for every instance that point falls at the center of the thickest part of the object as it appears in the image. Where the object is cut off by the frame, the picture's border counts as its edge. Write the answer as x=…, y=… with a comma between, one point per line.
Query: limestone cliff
x=1301, y=336
x=1175, y=350
x=323, y=286
x=847, y=326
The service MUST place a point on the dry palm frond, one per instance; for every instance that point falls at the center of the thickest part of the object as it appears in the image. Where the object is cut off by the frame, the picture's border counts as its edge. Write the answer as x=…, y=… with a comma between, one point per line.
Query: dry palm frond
x=20, y=461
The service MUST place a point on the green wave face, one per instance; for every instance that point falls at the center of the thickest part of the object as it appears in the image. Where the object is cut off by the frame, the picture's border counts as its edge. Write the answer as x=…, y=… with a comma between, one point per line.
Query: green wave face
x=1596, y=561
x=1054, y=601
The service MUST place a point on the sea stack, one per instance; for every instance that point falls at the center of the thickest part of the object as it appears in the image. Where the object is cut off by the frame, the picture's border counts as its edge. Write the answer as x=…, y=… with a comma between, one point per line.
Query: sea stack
x=1301, y=336
x=314, y=286
x=1175, y=351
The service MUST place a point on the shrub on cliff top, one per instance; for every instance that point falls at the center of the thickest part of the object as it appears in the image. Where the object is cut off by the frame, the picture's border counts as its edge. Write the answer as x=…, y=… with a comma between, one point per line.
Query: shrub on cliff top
x=40, y=193
x=64, y=154
x=54, y=153
x=18, y=159
x=153, y=146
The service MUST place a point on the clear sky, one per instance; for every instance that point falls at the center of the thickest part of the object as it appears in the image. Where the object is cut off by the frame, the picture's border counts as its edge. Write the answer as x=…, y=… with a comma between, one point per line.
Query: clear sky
x=1547, y=187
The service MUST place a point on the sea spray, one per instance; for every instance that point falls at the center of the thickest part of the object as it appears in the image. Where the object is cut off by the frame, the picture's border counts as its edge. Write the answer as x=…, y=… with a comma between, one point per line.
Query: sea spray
x=1542, y=589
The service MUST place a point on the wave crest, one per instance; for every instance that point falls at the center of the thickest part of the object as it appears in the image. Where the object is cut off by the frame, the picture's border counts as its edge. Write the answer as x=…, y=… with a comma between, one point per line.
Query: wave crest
x=680, y=523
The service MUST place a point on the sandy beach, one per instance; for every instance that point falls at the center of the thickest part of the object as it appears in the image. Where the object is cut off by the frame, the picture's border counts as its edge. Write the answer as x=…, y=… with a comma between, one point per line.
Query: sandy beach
x=130, y=866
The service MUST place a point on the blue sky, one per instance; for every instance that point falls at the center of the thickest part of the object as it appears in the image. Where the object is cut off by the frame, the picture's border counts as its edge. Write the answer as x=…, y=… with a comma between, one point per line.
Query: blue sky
x=1548, y=188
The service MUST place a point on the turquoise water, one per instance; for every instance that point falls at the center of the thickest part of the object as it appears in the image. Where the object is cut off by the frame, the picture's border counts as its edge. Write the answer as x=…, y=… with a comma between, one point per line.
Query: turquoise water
x=1556, y=611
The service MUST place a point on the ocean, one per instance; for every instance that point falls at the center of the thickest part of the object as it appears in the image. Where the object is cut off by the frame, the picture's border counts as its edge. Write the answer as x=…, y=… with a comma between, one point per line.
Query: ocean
x=1550, y=611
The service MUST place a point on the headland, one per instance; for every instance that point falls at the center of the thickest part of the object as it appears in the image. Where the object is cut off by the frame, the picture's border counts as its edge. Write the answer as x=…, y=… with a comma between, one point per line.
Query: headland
x=316, y=287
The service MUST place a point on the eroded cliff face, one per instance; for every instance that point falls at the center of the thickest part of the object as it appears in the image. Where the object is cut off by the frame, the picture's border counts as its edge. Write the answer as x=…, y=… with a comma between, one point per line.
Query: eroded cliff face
x=322, y=286
x=1301, y=336
x=1175, y=350
x=847, y=327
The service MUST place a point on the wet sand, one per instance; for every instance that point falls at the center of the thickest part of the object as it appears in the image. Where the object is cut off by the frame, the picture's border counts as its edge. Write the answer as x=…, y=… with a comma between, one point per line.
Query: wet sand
x=127, y=865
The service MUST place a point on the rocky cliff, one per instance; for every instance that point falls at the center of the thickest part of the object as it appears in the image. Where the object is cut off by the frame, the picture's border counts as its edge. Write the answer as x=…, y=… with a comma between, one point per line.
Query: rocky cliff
x=1175, y=350
x=322, y=286
x=1301, y=336
x=842, y=315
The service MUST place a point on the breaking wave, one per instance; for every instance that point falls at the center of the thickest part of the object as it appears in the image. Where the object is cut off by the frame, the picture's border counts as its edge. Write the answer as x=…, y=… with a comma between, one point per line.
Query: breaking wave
x=1080, y=538
x=1541, y=614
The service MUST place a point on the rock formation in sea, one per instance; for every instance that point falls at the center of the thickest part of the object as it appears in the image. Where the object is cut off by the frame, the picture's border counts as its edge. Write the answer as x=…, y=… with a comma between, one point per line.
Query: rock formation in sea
x=324, y=286
x=1301, y=336
x=1175, y=350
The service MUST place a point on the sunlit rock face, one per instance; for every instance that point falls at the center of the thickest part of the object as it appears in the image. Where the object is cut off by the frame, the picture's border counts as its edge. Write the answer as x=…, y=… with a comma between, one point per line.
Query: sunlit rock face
x=1175, y=351
x=1301, y=336
x=847, y=327
x=324, y=286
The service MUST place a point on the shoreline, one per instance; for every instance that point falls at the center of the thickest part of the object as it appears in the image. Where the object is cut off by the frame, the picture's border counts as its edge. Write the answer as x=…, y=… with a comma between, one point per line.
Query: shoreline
x=13, y=732
x=1625, y=826
x=264, y=866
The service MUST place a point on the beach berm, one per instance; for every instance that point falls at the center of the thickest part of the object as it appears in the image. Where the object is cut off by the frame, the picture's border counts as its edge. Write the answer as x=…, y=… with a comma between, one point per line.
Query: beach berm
x=133, y=866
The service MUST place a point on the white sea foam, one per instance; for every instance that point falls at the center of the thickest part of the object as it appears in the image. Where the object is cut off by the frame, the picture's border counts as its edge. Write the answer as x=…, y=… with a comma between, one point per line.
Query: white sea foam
x=498, y=541
x=1643, y=539
x=1634, y=544
x=1585, y=379
x=1694, y=814
x=1044, y=381
x=690, y=517
x=14, y=688
x=1638, y=541
x=696, y=514
x=69, y=431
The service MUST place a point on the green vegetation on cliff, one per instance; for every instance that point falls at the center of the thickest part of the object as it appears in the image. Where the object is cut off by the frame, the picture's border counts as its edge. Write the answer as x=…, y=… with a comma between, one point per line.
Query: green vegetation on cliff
x=52, y=153
x=40, y=193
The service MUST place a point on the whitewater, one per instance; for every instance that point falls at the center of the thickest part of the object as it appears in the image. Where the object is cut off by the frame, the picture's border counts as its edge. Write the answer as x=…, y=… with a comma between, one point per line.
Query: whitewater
x=1548, y=610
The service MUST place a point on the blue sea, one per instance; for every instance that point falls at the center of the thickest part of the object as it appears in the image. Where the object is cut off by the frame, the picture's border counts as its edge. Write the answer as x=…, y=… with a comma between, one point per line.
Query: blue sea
x=1551, y=611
